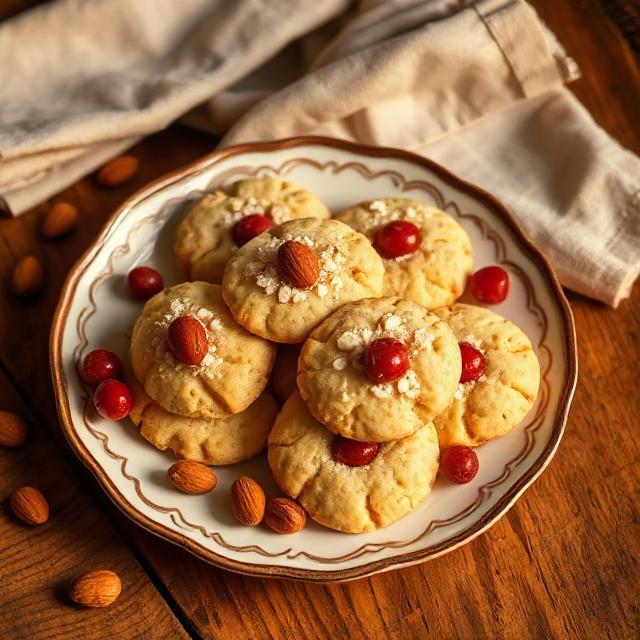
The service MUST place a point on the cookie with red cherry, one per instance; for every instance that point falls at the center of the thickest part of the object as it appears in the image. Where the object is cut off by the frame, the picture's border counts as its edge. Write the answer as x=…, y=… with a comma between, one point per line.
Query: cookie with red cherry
x=193, y=358
x=221, y=222
x=499, y=381
x=427, y=254
x=347, y=485
x=219, y=441
x=378, y=369
x=283, y=283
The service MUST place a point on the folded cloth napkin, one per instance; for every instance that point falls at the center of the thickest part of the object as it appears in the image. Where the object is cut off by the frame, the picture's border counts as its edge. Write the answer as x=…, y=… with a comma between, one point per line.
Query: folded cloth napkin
x=477, y=86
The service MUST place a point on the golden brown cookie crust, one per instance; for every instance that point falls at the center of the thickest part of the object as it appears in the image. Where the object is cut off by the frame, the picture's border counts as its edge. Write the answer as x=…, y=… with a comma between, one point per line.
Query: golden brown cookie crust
x=350, y=269
x=437, y=273
x=204, y=239
x=234, y=372
x=337, y=390
x=216, y=441
x=349, y=499
x=502, y=396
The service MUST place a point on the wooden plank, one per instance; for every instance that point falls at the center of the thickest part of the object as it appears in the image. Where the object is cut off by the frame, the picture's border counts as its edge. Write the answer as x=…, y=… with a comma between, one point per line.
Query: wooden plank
x=563, y=563
x=37, y=563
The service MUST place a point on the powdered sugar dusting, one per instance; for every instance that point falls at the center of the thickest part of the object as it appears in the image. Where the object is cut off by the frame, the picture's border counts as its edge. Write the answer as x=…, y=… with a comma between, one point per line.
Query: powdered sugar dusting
x=242, y=207
x=330, y=260
x=383, y=212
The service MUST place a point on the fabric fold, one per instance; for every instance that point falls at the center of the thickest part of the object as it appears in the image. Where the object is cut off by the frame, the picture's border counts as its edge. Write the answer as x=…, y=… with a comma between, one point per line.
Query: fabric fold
x=476, y=86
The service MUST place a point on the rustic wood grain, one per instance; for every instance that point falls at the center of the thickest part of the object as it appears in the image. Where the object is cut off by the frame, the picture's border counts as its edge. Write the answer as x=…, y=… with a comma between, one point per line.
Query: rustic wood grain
x=38, y=563
x=563, y=563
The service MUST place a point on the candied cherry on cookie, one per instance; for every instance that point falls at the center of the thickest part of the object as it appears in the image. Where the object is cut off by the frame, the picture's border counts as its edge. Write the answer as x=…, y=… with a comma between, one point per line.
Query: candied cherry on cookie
x=459, y=464
x=249, y=227
x=144, y=282
x=352, y=452
x=100, y=364
x=397, y=238
x=473, y=363
x=490, y=285
x=113, y=399
x=386, y=360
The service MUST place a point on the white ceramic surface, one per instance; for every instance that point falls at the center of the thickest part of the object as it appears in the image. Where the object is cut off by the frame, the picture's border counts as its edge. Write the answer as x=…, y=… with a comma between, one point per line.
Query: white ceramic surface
x=96, y=311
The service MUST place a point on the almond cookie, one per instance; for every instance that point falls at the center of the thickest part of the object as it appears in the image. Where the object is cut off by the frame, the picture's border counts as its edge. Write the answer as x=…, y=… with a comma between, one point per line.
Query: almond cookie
x=340, y=363
x=217, y=441
x=284, y=282
x=426, y=253
x=235, y=367
x=502, y=377
x=283, y=376
x=353, y=499
x=208, y=236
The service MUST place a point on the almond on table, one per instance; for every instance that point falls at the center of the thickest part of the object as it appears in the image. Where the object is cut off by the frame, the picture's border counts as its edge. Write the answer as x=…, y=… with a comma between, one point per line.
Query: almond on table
x=118, y=171
x=13, y=430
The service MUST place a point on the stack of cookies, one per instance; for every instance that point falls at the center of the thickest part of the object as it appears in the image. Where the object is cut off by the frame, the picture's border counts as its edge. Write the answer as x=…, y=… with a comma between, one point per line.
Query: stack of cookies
x=377, y=367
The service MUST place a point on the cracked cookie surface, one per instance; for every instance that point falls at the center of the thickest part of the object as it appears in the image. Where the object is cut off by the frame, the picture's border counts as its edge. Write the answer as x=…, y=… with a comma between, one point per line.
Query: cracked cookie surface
x=217, y=441
x=334, y=384
x=350, y=269
x=502, y=396
x=204, y=238
x=436, y=274
x=349, y=499
x=233, y=373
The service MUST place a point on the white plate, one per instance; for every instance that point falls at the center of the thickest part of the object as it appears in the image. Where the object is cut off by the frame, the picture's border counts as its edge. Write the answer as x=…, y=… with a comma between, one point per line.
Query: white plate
x=95, y=311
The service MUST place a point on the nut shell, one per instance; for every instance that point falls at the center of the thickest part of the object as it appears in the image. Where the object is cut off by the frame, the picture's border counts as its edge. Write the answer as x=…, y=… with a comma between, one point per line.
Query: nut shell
x=98, y=588
x=29, y=505
x=284, y=515
x=27, y=277
x=13, y=430
x=59, y=220
x=193, y=477
x=247, y=501
x=188, y=340
x=298, y=265
x=118, y=171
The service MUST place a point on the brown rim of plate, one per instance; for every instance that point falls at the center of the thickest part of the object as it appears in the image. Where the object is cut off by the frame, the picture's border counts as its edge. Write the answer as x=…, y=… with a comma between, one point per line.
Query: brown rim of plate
x=275, y=571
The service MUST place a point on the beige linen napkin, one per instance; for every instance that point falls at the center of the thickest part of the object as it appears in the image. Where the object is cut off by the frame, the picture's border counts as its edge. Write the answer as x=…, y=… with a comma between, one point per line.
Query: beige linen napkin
x=476, y=86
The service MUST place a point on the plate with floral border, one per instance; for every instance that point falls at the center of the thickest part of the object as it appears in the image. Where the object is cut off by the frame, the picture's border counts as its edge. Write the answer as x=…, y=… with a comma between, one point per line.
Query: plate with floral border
x=95, y=310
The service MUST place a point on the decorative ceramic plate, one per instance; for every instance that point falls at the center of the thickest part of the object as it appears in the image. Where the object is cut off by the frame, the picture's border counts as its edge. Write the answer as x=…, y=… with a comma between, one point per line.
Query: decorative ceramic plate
x=96, y=311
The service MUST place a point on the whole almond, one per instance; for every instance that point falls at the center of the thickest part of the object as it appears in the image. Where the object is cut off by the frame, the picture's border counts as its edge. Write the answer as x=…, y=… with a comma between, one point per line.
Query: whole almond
x=188, y=340
x=298, y=264
x=27, y=276
x=284, y=515
x=247, y=501
x=190, y=476
x=98, y=588
x=29, y=505
x=13, y=430
x=60, y=219
x=118, y=171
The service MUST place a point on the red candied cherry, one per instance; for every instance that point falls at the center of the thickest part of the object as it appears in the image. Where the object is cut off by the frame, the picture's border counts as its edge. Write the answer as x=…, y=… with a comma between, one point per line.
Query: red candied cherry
x=352, y=452
x=386, y=360
x=113, y=399
x=99, y=365
x=459, y=464
x=473, y=363
x=398, y=238
x=490, y=285
x=249, y=227
x=144, y=282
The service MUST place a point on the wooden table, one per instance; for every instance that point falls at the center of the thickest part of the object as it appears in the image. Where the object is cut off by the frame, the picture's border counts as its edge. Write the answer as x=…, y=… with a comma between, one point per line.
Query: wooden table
x=562, y=563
